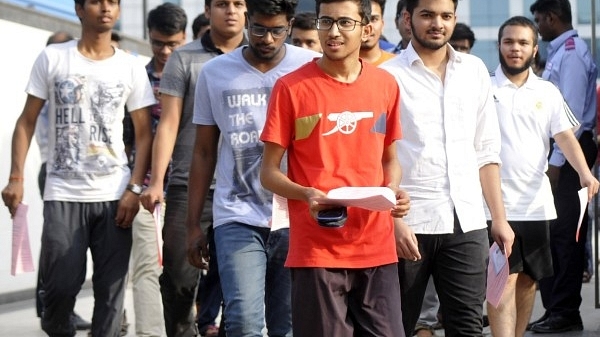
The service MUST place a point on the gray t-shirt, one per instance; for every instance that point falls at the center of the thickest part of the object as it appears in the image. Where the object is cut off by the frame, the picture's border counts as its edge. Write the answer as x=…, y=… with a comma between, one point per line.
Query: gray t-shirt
x=236, y=101
x=179, y=80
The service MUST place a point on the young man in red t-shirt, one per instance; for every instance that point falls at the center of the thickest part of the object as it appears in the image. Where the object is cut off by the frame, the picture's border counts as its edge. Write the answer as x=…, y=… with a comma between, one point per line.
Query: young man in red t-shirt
x=339, y=129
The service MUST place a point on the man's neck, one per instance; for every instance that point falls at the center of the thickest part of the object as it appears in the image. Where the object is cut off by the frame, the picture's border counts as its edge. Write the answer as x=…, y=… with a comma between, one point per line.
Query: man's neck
x=263, y=65
x=371, y=55
x=95, y=46
x=158, y=67
x=346, y=70
x=434, y=59
x=226, y=43
x=517, y=79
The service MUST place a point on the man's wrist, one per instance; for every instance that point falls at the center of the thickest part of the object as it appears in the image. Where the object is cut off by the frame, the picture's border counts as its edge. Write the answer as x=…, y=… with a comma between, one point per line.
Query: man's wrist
x=15, y=179
x=135, y=188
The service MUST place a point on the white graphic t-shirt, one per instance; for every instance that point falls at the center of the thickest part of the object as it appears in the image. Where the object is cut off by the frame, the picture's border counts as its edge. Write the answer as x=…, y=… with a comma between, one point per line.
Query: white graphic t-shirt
x=86, y=105
x=233, y=95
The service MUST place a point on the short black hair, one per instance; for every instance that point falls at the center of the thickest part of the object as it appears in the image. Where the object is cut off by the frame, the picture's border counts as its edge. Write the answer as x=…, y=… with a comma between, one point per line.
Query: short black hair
x=168, y=19
x=461, y=32
x=519, y=21
x=59, y=37
x=412, y=4
x=305, y=21
x=560, y=8
x=399, y=7
x=200, y=21
x=381, y=4
x=114, y=36
x=272, y=7
x=364, y=8
x=82, y=2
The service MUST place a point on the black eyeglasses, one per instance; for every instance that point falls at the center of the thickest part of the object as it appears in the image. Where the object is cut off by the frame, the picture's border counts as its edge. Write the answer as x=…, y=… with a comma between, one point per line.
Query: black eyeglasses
x=276, y=32
x=160, y=44
x=343, y=24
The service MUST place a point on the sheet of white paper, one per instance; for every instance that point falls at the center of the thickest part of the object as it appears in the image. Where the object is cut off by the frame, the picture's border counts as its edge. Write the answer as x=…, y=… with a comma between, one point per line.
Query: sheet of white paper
x=498, y=269
x=583, y=199
x=280, y=217
x=158, y=229
x=371, y=198
x=22, y=260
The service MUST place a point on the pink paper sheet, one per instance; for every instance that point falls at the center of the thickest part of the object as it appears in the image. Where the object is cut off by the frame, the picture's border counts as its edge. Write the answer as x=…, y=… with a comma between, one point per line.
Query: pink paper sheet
x=497, y=275
x=158, y=229
x=22, y=261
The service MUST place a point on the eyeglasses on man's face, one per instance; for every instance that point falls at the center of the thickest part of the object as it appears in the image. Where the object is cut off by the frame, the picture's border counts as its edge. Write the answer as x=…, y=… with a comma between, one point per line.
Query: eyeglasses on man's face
x=276, y=32
x=160, y=44
x=343, y=24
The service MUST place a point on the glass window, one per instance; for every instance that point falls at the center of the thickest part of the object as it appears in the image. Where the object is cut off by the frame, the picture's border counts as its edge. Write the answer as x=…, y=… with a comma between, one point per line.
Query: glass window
x=584, y=8
x=487, y=50
x=526, y=5
x=488, y=13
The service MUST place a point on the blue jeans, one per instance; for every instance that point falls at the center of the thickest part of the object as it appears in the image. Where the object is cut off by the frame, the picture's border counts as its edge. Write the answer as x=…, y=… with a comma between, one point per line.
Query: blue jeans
x=256, y=286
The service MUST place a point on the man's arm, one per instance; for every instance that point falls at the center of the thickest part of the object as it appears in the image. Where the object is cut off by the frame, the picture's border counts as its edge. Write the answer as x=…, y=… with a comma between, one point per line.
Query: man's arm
x=392, y=172
x=162, y=149
x=129, y=204
x=407, y=245
x=274, y=180
x=12, y=194
x=202, y=169
x=502, y=233
x=572, y=150
x=572, y=82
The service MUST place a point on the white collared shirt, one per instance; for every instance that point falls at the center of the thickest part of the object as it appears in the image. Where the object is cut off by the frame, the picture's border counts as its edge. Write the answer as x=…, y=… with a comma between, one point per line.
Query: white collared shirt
x=529, y=116
x=450, y=130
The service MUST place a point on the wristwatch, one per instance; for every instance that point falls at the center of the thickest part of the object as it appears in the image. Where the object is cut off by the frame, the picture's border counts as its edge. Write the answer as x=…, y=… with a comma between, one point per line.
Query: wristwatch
x=135, y=188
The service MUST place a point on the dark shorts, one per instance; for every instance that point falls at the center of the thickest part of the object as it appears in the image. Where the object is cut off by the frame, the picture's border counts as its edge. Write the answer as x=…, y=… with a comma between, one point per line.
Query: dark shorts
x=346, y=302
x=531, y=250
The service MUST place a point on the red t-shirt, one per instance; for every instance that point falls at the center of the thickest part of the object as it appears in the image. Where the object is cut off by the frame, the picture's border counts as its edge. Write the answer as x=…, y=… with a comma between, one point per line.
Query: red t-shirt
x=335, y=134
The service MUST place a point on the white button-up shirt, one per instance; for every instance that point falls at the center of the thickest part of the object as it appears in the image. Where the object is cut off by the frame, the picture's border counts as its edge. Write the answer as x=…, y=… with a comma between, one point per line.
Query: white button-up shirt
x=450, y=130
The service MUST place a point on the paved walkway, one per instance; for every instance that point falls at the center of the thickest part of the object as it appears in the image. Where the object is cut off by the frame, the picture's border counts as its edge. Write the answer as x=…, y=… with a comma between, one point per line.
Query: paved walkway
x=19, y=319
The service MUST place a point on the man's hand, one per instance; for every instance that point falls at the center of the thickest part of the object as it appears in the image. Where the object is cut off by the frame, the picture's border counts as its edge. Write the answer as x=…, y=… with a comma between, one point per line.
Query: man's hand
x=402, y=203
x=152, y=196
x=503, y=235
x=12, y=195
x=129, y=205
x=313, y=206
x=197, y=248
x=407, y=246
x=589, y=181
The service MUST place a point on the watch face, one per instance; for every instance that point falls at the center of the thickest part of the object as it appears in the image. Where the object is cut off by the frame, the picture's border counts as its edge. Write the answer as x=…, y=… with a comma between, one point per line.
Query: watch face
x=137, y=189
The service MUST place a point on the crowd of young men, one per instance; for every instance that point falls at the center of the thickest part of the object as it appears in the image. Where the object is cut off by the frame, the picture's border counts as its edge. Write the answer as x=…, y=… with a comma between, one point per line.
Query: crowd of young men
x=245, y=126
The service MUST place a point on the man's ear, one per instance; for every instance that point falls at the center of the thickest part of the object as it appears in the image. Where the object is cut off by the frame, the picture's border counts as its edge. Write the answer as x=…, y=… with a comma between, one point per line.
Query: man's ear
x=207, y=12
x=289, y=33
x=367, y=30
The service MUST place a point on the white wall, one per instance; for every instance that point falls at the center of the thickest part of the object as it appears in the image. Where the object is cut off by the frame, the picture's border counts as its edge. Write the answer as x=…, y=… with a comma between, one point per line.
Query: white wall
x=23, y=45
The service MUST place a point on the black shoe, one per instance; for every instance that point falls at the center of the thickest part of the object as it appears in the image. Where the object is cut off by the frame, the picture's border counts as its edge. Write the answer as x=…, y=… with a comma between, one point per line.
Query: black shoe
x=80, y=323
x=556, y=324
x=539, y=320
